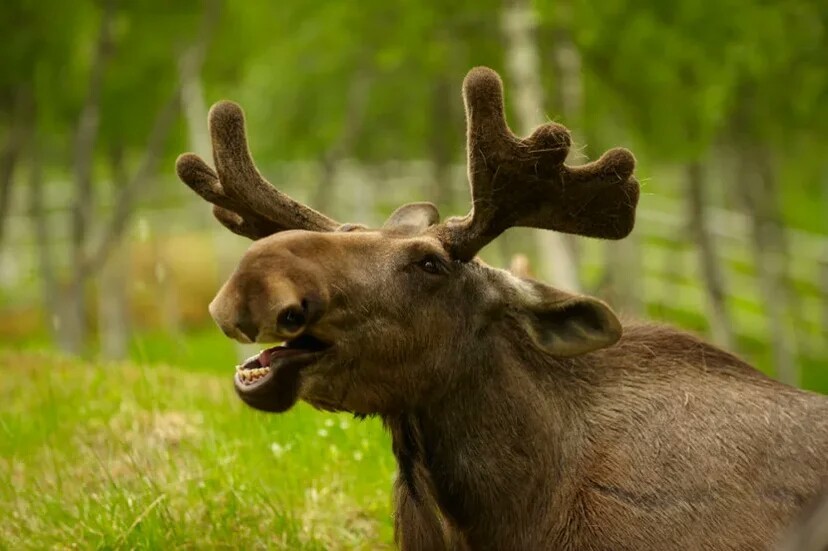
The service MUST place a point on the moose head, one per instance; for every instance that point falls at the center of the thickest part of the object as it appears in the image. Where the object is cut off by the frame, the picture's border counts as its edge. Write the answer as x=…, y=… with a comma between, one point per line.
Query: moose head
x=378, y=320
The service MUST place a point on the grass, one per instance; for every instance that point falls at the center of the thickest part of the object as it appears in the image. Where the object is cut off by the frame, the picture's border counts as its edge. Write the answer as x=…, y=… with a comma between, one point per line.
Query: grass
x=113, y=456
x=202, y=349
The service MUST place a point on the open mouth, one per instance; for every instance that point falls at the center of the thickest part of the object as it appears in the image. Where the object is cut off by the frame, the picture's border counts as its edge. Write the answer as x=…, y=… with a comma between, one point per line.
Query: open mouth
x=270, y=380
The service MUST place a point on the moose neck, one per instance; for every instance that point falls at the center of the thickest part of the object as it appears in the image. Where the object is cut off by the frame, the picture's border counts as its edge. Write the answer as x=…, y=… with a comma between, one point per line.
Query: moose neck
x=496, y=445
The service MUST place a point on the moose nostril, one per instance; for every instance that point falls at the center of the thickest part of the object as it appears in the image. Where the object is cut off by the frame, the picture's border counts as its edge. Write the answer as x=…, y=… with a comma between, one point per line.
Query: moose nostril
x=250, y=330
x=313, y=309
x=291, y=319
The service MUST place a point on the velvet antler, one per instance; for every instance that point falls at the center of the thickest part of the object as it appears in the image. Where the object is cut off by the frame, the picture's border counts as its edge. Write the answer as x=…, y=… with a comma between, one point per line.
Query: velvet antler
x=243, y=200
x=514, y=182
x=524, y=182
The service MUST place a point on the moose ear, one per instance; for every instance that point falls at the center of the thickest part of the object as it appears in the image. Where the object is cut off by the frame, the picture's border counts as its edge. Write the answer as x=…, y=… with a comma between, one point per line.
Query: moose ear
x=566, y=325
x=414, y=216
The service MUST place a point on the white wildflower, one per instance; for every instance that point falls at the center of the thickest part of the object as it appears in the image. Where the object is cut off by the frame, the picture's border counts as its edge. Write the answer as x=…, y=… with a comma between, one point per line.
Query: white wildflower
x=278, y=449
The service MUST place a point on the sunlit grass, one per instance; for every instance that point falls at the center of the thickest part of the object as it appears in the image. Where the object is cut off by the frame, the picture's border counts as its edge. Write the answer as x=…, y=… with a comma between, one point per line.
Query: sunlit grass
x=137, y=456
x=202, y=349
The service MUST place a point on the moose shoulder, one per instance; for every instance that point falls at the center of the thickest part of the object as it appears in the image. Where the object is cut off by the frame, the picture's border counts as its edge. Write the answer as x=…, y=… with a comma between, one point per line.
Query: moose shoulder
x=522, y=417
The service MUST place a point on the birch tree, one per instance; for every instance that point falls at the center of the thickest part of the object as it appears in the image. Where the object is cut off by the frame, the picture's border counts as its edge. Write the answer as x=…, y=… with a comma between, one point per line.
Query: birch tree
x=523, y=71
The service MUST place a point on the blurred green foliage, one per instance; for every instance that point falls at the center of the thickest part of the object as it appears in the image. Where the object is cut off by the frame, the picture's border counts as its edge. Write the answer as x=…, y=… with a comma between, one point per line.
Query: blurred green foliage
x=675, y=82
x=669, y=79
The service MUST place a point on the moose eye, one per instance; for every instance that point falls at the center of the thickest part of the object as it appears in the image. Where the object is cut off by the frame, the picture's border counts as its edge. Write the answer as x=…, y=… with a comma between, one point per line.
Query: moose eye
x=432, y=264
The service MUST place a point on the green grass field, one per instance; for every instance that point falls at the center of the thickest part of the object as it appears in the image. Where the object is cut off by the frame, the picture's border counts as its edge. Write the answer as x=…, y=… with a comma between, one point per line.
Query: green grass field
x=151, y=456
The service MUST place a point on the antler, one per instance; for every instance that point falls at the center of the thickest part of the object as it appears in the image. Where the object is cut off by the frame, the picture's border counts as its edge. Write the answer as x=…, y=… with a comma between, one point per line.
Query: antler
x=523, y=182
x=514, y=182
x=243, y=200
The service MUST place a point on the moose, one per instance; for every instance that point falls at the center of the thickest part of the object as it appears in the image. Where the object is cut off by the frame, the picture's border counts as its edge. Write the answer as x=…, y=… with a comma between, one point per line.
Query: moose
x=521, y=416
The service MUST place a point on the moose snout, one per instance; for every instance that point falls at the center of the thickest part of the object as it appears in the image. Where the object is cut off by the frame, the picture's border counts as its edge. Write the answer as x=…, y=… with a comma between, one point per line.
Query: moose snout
x=283, y=316
x=236, y=324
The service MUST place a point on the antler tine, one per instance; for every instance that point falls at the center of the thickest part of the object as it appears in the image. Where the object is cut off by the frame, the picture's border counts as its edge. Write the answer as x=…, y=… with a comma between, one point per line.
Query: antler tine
x=524, y=182
x=243, y=200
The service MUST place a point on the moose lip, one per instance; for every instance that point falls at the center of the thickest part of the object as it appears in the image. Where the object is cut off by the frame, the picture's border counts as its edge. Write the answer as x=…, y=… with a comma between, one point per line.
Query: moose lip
x=269, y=380
x=256, y=369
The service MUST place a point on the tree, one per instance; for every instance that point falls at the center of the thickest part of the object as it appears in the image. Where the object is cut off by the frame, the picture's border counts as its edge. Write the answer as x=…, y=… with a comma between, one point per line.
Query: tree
x=524, y=72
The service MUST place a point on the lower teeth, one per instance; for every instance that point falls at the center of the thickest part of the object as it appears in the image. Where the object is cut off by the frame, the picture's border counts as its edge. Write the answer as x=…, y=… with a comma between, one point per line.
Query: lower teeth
x=252, y=375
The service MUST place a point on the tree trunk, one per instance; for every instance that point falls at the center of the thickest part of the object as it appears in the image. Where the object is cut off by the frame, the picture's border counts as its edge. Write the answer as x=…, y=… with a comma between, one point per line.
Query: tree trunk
x=43, y=243
x=622, y=282
x=441, y=146
x=523, y=69
x=113, y=305
x=823, y=283
x=167, y=293
x=194, y=107
x=323, y=194
x=757, y=188
x=118, y=222
x=355, y=108
x=74, y=320
x=676, y=264
x=720, y=324
x=823, y=275
x=20, y=129
x=113, y=295
x=195, y=114
x=189, y=74
x=566, y=60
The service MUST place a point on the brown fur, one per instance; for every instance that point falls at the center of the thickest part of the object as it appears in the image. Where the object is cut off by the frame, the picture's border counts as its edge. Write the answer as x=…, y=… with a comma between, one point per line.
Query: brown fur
x=660, y=441
x=521, y=417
